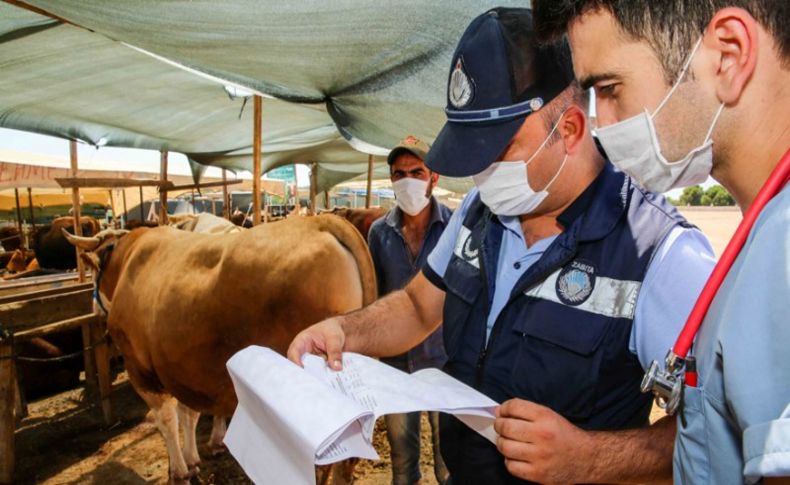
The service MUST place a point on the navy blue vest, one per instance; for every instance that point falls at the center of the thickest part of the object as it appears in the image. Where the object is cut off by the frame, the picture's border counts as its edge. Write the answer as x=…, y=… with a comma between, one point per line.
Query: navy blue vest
x=562, y=339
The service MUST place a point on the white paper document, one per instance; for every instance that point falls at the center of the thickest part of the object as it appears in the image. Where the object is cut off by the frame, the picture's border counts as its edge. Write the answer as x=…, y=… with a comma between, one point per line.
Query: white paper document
x=290, y=419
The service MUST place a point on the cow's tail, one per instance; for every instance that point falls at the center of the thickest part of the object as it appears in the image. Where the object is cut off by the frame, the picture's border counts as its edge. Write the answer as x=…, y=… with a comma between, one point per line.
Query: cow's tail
x=352, y=240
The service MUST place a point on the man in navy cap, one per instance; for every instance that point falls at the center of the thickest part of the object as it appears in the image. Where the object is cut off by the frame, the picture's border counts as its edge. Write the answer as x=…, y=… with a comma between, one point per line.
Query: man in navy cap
x=558, y=279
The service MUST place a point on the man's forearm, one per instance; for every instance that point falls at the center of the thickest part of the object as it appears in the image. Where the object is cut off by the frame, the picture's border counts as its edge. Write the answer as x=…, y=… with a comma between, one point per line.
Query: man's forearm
x=389, y=326
x=641, y=455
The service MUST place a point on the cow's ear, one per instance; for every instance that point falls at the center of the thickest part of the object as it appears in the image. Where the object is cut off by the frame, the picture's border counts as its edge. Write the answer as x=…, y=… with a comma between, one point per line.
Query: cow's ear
x=91, y=260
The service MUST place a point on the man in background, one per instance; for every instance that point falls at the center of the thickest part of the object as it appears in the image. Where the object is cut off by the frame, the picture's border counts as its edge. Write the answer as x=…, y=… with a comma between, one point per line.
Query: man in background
x=400, y=243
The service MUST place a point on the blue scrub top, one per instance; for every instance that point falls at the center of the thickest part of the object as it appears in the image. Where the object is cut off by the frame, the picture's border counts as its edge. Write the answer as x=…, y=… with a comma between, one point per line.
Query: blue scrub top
x=736, y=423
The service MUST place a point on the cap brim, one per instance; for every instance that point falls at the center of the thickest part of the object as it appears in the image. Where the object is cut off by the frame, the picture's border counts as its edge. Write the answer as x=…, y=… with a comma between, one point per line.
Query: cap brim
x=466, y=149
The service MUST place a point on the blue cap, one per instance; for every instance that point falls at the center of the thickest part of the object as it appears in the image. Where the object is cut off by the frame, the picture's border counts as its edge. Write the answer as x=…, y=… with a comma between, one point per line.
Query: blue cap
x=499, y=75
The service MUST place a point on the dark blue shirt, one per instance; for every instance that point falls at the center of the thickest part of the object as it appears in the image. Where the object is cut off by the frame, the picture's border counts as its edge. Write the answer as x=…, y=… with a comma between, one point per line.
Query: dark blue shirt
x=395, y=267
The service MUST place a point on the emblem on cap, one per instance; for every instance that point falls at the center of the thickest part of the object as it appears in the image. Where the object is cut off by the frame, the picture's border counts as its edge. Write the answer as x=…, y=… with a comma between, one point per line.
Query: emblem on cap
x=460, y=90
x=535, y=103
x=410, y=140
x=575, y=283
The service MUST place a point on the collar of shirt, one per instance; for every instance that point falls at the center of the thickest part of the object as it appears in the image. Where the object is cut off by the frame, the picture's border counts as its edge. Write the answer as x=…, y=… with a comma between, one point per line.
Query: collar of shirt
x=599, y=206
x=601, y=202
x=513, y=226
x=395, y=216
x=604, y=198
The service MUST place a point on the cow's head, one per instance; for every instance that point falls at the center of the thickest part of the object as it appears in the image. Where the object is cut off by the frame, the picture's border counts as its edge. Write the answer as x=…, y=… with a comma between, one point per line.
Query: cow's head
x=96, y=253
x=94, y=247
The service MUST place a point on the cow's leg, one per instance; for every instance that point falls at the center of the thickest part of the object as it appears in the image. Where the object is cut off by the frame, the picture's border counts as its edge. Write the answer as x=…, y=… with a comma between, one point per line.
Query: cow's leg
x=218, y=429
x=166, y=417
x=189, y=420
x=340, y=473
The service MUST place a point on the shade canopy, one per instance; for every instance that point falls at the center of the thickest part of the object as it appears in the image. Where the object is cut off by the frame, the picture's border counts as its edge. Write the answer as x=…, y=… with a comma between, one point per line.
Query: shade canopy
x=339, y=77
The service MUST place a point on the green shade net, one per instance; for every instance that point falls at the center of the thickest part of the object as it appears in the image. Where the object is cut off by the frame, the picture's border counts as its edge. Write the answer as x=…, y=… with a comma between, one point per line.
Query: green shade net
x=342, y=72
x=380, y=67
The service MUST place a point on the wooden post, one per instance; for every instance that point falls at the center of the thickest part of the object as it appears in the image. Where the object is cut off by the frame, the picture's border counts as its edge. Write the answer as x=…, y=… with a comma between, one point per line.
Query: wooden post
x=225, y=199
x=313, y=186
x=112, y=208
x=18, y=214
x=125, y=213
x=20, y=401
x=142, y=212
x=102, y=358
x=297, y=202
x=7, y=424
x=30, y=206
x=76, y=209
x=91, y=382
x=370, y=182
x=163, y=189
x=326, y=200
x=256, y=160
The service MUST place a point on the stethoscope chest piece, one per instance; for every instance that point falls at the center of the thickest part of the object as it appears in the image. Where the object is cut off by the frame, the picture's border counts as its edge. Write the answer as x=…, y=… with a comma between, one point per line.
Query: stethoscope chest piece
x=667, y=385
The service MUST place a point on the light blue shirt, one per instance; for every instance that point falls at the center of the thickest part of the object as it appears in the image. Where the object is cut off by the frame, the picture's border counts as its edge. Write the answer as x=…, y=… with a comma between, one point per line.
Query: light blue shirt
x=737, y=421
x=674, y=279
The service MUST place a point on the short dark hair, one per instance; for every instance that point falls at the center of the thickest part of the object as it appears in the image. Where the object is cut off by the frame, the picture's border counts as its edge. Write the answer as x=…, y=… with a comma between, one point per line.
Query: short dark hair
x=552, y=112
x=670, y=26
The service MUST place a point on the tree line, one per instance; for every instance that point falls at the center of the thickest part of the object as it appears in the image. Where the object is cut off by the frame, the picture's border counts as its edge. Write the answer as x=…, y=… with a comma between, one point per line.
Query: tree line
x=697, y=196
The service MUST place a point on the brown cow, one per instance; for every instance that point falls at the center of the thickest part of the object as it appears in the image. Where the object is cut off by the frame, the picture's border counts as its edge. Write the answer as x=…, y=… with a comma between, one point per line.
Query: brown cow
x=181, y=304
x=362, y=219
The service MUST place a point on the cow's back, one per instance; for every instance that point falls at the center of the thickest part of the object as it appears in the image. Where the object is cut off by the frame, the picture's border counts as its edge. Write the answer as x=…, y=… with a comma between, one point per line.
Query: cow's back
x=187, y=302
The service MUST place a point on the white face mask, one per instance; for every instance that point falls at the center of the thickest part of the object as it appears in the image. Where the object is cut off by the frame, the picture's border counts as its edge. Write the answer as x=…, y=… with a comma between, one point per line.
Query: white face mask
x=632, y=146
x=410, y=194
x=502, y=185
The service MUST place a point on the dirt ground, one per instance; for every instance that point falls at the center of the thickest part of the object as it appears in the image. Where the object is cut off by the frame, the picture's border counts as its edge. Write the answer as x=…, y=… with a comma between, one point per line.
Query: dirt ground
x=717, y=223
x=65, y=441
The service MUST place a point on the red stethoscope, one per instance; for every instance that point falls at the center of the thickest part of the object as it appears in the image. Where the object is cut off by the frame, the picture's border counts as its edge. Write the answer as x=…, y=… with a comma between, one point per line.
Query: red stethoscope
x=667, y=384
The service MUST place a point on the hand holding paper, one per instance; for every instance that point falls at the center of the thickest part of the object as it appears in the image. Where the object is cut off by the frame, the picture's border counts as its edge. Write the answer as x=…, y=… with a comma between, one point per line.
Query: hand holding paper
x=289, y=418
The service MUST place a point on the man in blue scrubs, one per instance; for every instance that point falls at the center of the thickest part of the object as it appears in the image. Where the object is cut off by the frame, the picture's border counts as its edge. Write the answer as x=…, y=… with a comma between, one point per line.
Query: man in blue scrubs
x=558, y=279
x=708, y=84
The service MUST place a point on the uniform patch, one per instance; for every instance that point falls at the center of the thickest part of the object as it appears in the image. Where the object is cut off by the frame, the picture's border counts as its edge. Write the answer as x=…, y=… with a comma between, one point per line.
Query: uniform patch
x=575, y=283
x=465, y=248
x=469, y=254
x=461, y=90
